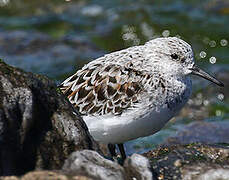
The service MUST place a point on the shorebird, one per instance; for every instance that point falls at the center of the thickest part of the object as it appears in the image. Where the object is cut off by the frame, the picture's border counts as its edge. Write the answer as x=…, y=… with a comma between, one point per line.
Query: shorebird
x=134, y=92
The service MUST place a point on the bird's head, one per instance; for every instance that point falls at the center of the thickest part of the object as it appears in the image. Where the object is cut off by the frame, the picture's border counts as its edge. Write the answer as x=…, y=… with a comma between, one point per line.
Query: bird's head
x=176, y=57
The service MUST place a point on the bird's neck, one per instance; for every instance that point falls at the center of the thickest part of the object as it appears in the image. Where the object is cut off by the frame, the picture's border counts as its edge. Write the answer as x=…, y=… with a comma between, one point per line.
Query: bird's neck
x=169, y=88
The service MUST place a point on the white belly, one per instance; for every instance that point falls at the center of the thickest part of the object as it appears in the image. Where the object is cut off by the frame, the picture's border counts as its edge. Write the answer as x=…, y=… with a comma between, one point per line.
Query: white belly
x=128, y=126
x=144, y=120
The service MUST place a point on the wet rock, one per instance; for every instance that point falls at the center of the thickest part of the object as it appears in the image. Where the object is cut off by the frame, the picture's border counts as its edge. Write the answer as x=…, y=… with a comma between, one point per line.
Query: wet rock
x=38, y=129
x=200, y=131
x=30, y=50
x=23, y=42
x=193, y=161
x=138, y=167
x=91, y=164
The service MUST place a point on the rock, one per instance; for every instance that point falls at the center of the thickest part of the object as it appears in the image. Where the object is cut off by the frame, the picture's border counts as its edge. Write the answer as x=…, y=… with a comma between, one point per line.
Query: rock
x=38, y=129
x=30, y=50
x=91, y=164
x=203, y=172
x=23, y=42
x=217, y=132
x=9, y=178
x=193, y=161
x=47, y=175
x=137, y=166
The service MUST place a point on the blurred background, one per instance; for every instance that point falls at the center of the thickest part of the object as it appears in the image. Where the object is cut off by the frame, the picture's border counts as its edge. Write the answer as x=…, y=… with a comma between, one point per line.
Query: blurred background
x=57, y=37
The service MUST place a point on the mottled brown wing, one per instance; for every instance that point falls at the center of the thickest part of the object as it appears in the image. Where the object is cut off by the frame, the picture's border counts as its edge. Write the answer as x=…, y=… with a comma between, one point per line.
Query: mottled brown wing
x=99, y=90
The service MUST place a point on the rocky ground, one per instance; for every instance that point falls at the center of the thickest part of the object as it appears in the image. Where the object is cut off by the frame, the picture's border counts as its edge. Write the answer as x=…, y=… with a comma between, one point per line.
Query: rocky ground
x=42, y=137
x=189, y=162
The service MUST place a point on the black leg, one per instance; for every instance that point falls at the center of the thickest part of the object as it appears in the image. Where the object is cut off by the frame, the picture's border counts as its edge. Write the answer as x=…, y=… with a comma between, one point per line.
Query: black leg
x=122, y=151
x=111, y=148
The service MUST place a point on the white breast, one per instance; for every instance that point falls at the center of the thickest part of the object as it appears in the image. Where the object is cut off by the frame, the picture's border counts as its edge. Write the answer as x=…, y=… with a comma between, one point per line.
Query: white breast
x=130, y=125
x=143, y=120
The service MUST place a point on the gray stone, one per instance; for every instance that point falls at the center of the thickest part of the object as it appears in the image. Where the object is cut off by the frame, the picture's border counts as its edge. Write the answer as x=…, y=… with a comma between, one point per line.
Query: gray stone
x=201, y=171
x=91, y=164
x=138, y=167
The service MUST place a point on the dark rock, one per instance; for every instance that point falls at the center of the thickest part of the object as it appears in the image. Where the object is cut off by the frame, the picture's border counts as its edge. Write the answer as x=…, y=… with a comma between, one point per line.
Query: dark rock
x=138, y=167
x=38, y=129
x=193, y=161
x=200, y=131
x=91, y=164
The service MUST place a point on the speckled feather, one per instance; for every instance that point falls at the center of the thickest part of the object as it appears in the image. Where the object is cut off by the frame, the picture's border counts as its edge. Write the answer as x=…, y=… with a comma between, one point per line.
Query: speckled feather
x=140, y=80
x=99, y=90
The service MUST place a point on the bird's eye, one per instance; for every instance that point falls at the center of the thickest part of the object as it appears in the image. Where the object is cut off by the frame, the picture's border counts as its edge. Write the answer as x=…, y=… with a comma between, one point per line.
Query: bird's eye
x=174, y=56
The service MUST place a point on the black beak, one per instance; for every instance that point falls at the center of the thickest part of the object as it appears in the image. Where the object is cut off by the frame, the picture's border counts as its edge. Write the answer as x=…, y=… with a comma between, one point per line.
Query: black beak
x=199, y=72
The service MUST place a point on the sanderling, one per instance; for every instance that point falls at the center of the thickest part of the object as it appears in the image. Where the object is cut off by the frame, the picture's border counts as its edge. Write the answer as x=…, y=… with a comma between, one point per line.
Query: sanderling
x=134, y=92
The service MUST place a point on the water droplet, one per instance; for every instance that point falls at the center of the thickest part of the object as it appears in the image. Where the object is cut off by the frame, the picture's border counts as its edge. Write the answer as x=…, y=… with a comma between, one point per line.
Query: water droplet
x=218, y=112
x=199, y=99
x=203, y=54
x=105, y=133
x=166, y=33
x=220, y=96
x=178, y=36
x=206, y=102
x=93, y=10
x=212, y=60
x=212, y=44
x=147, y=30
x=198, y=102
x=130, y=35
x=4, y=2
x=223, y=42
x=136, y=41
x=206, y=40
